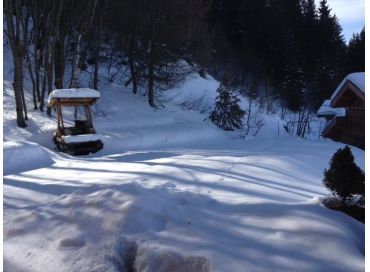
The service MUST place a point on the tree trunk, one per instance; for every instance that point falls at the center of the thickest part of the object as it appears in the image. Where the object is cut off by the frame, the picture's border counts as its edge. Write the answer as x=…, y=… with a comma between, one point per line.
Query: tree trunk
x=97, y=53
x=45, y=76
x=131, y=62
x=249, y=115
x=151, y=85
x=30, y=71
x=35, y=16
x=75, y=66
x=50, y=78
x=36, y=54
x=14, y=33
x=59, y=62
x=58, y=47
x=151, y=77
x=24, y=24
x=24, y=105
x=18, y=89
x=37, y=75
x=43, y=90
x=96, y=70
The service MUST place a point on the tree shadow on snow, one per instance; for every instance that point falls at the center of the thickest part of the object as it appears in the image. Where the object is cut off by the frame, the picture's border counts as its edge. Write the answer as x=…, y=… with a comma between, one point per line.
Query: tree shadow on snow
x=207, y=231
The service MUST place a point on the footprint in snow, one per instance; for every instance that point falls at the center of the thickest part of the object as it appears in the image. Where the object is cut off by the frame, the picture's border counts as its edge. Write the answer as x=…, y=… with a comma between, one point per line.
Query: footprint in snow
x=14, y=232
x=71, y=242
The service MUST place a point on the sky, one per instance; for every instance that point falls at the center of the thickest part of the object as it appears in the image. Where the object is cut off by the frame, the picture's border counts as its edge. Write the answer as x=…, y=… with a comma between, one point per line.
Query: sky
x=351, y=15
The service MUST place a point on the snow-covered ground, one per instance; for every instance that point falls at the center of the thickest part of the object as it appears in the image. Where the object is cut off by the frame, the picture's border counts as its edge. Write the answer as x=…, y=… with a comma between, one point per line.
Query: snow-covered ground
x=171, y=192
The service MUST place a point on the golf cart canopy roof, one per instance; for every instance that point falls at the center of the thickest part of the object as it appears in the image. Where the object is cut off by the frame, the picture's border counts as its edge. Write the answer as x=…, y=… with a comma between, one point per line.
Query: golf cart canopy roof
x=73, y=96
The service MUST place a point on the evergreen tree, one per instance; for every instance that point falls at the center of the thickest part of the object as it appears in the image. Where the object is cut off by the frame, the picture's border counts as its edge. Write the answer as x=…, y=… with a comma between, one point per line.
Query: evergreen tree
x=356, y=53
x=227, y=113
x=344, y=178
x=310, y=50
x=293, y=84
x=331, y=55
x=324, y=84
x=332, y=45
x=293, y=87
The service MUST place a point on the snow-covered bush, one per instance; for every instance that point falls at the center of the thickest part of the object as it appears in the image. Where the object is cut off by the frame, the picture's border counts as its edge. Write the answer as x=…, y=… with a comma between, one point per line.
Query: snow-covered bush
x=344, y=178
x=227, y=113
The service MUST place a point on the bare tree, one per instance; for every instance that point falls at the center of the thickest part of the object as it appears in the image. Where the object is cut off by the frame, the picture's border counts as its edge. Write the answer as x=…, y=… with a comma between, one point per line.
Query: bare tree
x=13, y=16
x=86, y=19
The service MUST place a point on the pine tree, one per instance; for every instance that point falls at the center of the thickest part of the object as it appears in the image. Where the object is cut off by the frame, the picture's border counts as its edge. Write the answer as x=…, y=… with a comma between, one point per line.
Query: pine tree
x=309, y=49
x=293, y=84
x=344, y=178
x=330, y=36
x=293, y=87
x=356, y=53
x=227, y=113
x=328, y=68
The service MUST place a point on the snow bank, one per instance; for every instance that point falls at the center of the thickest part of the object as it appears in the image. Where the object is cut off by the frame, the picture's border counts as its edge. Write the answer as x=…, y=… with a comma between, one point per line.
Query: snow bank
x=161, y=230
x=196, y=93
x=20, y=156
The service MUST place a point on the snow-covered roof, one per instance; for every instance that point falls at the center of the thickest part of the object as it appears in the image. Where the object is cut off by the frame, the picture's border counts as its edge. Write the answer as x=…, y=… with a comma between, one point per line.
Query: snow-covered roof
x=327, y=110
x=74, y=93
x=82, y=138
x=357, y=79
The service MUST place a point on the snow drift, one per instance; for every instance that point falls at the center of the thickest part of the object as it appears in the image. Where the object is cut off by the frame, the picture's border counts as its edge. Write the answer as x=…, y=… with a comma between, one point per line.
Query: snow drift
x=21, y=156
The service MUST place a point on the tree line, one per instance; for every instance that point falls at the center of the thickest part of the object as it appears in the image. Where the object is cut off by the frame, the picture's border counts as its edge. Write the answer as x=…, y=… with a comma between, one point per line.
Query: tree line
x=296, y=49
x=288, y=50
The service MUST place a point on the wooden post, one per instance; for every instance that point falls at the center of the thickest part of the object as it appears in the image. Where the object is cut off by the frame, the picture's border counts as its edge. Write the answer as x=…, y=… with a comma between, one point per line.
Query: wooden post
x=89, y=115
x=61, y=115
x=58, y=116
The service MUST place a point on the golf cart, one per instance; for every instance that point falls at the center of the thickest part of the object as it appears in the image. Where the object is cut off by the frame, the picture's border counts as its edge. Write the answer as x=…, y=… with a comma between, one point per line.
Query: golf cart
x=75, y=134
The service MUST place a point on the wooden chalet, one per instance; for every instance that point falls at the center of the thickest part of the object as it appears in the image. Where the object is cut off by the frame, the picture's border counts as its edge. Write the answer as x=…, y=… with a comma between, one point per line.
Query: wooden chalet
x=345, y=112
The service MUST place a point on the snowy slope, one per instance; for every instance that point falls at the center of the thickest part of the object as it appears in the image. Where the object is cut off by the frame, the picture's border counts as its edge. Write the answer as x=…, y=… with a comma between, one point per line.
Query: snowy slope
x=171, y=192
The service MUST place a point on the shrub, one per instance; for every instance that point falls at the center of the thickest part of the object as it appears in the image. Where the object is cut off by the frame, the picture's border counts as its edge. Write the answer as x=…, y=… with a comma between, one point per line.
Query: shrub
x=344, y=178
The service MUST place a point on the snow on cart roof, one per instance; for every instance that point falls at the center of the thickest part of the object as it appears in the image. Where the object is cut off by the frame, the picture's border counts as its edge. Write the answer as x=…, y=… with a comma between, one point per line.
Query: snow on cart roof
x=73, y=94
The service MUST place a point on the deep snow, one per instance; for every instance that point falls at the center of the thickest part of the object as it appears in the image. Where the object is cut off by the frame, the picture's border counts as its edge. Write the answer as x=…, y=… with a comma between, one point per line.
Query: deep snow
x=171, y=192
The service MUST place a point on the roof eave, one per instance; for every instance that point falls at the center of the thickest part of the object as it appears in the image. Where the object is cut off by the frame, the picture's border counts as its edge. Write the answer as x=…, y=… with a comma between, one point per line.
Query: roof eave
x=347, y=85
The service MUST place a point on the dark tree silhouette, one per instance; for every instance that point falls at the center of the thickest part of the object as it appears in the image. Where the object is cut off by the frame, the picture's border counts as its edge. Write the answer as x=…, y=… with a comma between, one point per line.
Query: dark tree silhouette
x=344, y=178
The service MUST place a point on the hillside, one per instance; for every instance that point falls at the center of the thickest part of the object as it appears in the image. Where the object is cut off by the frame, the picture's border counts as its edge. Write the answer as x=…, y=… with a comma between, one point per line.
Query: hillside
x=171, y=192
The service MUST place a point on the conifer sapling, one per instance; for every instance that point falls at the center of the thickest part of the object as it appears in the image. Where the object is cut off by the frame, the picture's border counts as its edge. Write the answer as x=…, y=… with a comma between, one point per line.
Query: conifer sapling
x=227, y=113
x=344, y=178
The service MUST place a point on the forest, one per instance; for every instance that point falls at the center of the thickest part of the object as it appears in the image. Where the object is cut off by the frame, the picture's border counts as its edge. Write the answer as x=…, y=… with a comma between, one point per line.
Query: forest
x=290, y=51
